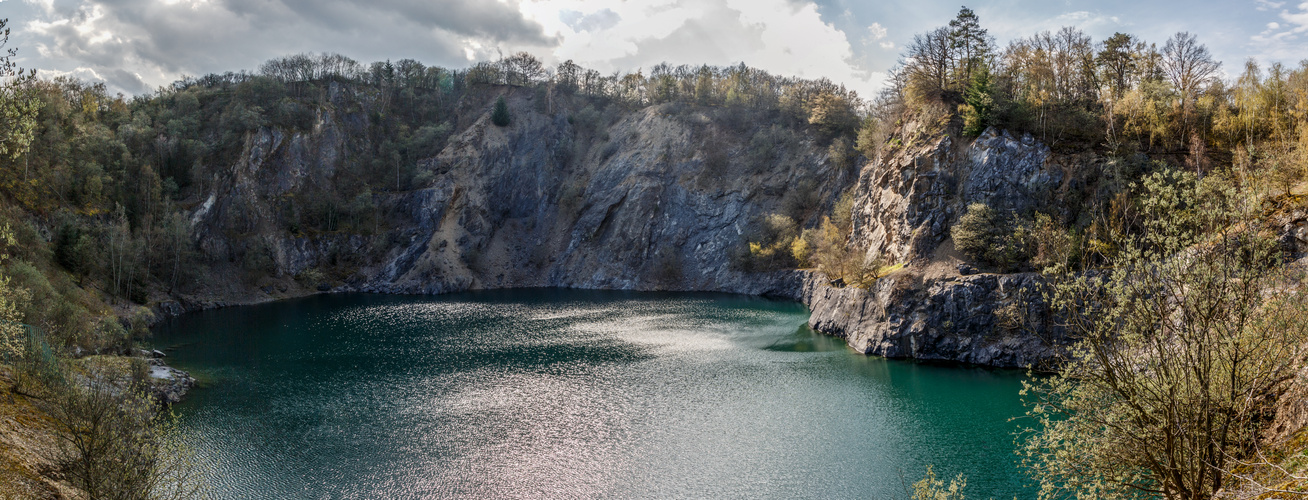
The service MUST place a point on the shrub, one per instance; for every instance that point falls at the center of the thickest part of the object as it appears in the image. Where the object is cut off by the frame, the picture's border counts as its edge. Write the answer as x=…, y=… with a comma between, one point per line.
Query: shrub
x=802, y=251
x=769, y=244
x=1183, y=343
x=114, y=442
x=931, y=488
x=500, y=114
x=984, y=235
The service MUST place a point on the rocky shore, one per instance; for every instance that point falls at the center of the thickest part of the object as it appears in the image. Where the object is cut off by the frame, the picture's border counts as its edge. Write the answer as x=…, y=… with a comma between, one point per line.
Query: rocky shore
x=653, y=208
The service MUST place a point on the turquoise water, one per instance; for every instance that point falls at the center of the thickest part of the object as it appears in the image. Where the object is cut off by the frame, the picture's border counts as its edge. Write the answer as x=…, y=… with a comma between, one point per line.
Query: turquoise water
x=574, y=394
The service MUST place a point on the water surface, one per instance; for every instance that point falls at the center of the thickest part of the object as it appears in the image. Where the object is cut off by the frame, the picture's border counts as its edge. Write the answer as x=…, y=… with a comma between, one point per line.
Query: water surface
x=574, y=394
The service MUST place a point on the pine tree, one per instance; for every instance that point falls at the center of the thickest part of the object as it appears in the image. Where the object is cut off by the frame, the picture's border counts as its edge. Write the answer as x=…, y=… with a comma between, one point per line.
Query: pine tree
x=978, y=102
x=970, y=44
x=500, y=115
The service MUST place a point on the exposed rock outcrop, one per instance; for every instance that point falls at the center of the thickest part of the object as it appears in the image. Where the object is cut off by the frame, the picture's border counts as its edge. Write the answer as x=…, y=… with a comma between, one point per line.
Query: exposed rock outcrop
x=661, y=204
x=167, y=384
x=985, y=319
x=907, y=199
x=660, y=201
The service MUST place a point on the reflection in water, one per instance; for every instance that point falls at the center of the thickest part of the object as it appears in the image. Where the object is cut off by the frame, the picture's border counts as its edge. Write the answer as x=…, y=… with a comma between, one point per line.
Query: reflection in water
x=573, y=394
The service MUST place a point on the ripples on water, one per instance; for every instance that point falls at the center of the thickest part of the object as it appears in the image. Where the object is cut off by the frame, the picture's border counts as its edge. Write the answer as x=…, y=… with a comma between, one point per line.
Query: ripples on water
x=573, y=394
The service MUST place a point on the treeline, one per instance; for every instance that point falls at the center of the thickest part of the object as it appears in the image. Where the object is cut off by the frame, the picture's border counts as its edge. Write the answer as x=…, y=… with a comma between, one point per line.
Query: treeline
x=1160, y=283
x=1122, y=93
x=1142, y=107
x=113, y=178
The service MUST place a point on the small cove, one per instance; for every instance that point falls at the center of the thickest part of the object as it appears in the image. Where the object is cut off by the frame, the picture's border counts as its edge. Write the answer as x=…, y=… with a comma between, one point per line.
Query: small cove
x=548, y=393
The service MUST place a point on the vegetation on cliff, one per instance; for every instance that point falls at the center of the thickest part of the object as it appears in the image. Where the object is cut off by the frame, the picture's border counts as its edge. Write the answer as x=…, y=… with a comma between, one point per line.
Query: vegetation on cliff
x=1182, y=345
x=1186, y=322
x=99, y=191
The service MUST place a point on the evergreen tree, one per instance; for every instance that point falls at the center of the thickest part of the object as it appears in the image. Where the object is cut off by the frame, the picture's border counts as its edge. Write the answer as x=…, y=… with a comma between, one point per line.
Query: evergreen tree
x=970, y=44
x=500, y=115
x=978, y=102
x=1118, y=61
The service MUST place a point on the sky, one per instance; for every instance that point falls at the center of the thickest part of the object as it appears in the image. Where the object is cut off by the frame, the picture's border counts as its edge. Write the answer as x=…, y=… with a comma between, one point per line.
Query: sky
x=136, y=46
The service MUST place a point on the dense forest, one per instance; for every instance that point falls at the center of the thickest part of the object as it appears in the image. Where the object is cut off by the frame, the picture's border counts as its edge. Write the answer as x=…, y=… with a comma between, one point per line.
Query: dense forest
x=97, y=190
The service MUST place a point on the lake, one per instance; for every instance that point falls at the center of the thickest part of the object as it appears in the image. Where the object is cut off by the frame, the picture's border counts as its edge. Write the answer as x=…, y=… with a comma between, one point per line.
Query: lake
x=550, y=393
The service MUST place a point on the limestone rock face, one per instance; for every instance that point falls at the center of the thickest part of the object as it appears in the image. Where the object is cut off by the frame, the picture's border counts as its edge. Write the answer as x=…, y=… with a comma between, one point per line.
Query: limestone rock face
x=659, y=200
x=985, y=319
x=905, y=202
x=907, y=199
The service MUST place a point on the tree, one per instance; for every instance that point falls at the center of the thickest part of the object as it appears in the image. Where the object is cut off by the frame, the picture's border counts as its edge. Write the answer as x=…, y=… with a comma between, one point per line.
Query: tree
x=1118, y=60
x=982, y=235
x=832, y=111
x=978, y=102
x=18, y=105
x=970, y=44
x=1181, y=347
x=1189, y=66
x=568, y=76
x=12, y=301
x=522, y=69
x=927, y=67
x=500, y=114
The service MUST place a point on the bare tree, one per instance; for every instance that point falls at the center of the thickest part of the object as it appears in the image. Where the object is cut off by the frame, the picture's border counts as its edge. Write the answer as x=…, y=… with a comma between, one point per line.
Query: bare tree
x=929, y=58
x=1190, y=67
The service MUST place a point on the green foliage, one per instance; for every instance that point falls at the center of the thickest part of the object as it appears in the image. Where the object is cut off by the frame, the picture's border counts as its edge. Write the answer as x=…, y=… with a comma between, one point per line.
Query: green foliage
x=978, y=102
x=1180, y=352
x=1054, y=248
x=13, y=300
x=769, y=244
x=872, y=136
x=984, y=235
x=18, y=107
x=500, y=114
x=842, y=153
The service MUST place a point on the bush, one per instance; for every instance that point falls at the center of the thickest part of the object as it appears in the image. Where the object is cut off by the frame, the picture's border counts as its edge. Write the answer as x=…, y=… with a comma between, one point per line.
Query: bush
x=114, y=442
x=769, y=244
x=984, y=235
x=500, y=114
x=931, y=488
x=1184, y=343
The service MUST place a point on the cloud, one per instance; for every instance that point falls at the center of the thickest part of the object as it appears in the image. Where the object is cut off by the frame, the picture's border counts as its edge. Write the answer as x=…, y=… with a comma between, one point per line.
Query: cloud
x=1268, y=5
x=786, y=37
x=138, y=44
x=595, y=21
x=1298, y=19
x=876, y=34
x=1283, y=41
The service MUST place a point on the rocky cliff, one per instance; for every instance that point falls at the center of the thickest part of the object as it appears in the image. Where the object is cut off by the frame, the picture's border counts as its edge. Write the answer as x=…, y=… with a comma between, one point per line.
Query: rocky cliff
x=660, y=200
x=939, y=307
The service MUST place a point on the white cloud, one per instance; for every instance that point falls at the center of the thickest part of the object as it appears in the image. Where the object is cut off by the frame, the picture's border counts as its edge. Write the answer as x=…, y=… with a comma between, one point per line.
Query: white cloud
x=1283, y=41
x=138, y=45
x=785, y=37
x=876, y=31
x=1268, y=5
x=1298, y=19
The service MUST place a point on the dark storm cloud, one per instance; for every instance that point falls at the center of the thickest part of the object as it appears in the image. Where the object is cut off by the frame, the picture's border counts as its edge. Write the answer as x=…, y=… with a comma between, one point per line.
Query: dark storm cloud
x=194, y=37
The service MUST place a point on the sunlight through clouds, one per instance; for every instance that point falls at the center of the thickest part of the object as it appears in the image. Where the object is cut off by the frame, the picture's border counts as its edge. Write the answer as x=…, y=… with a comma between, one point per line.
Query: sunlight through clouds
x=138, y=45
x=780, y=36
